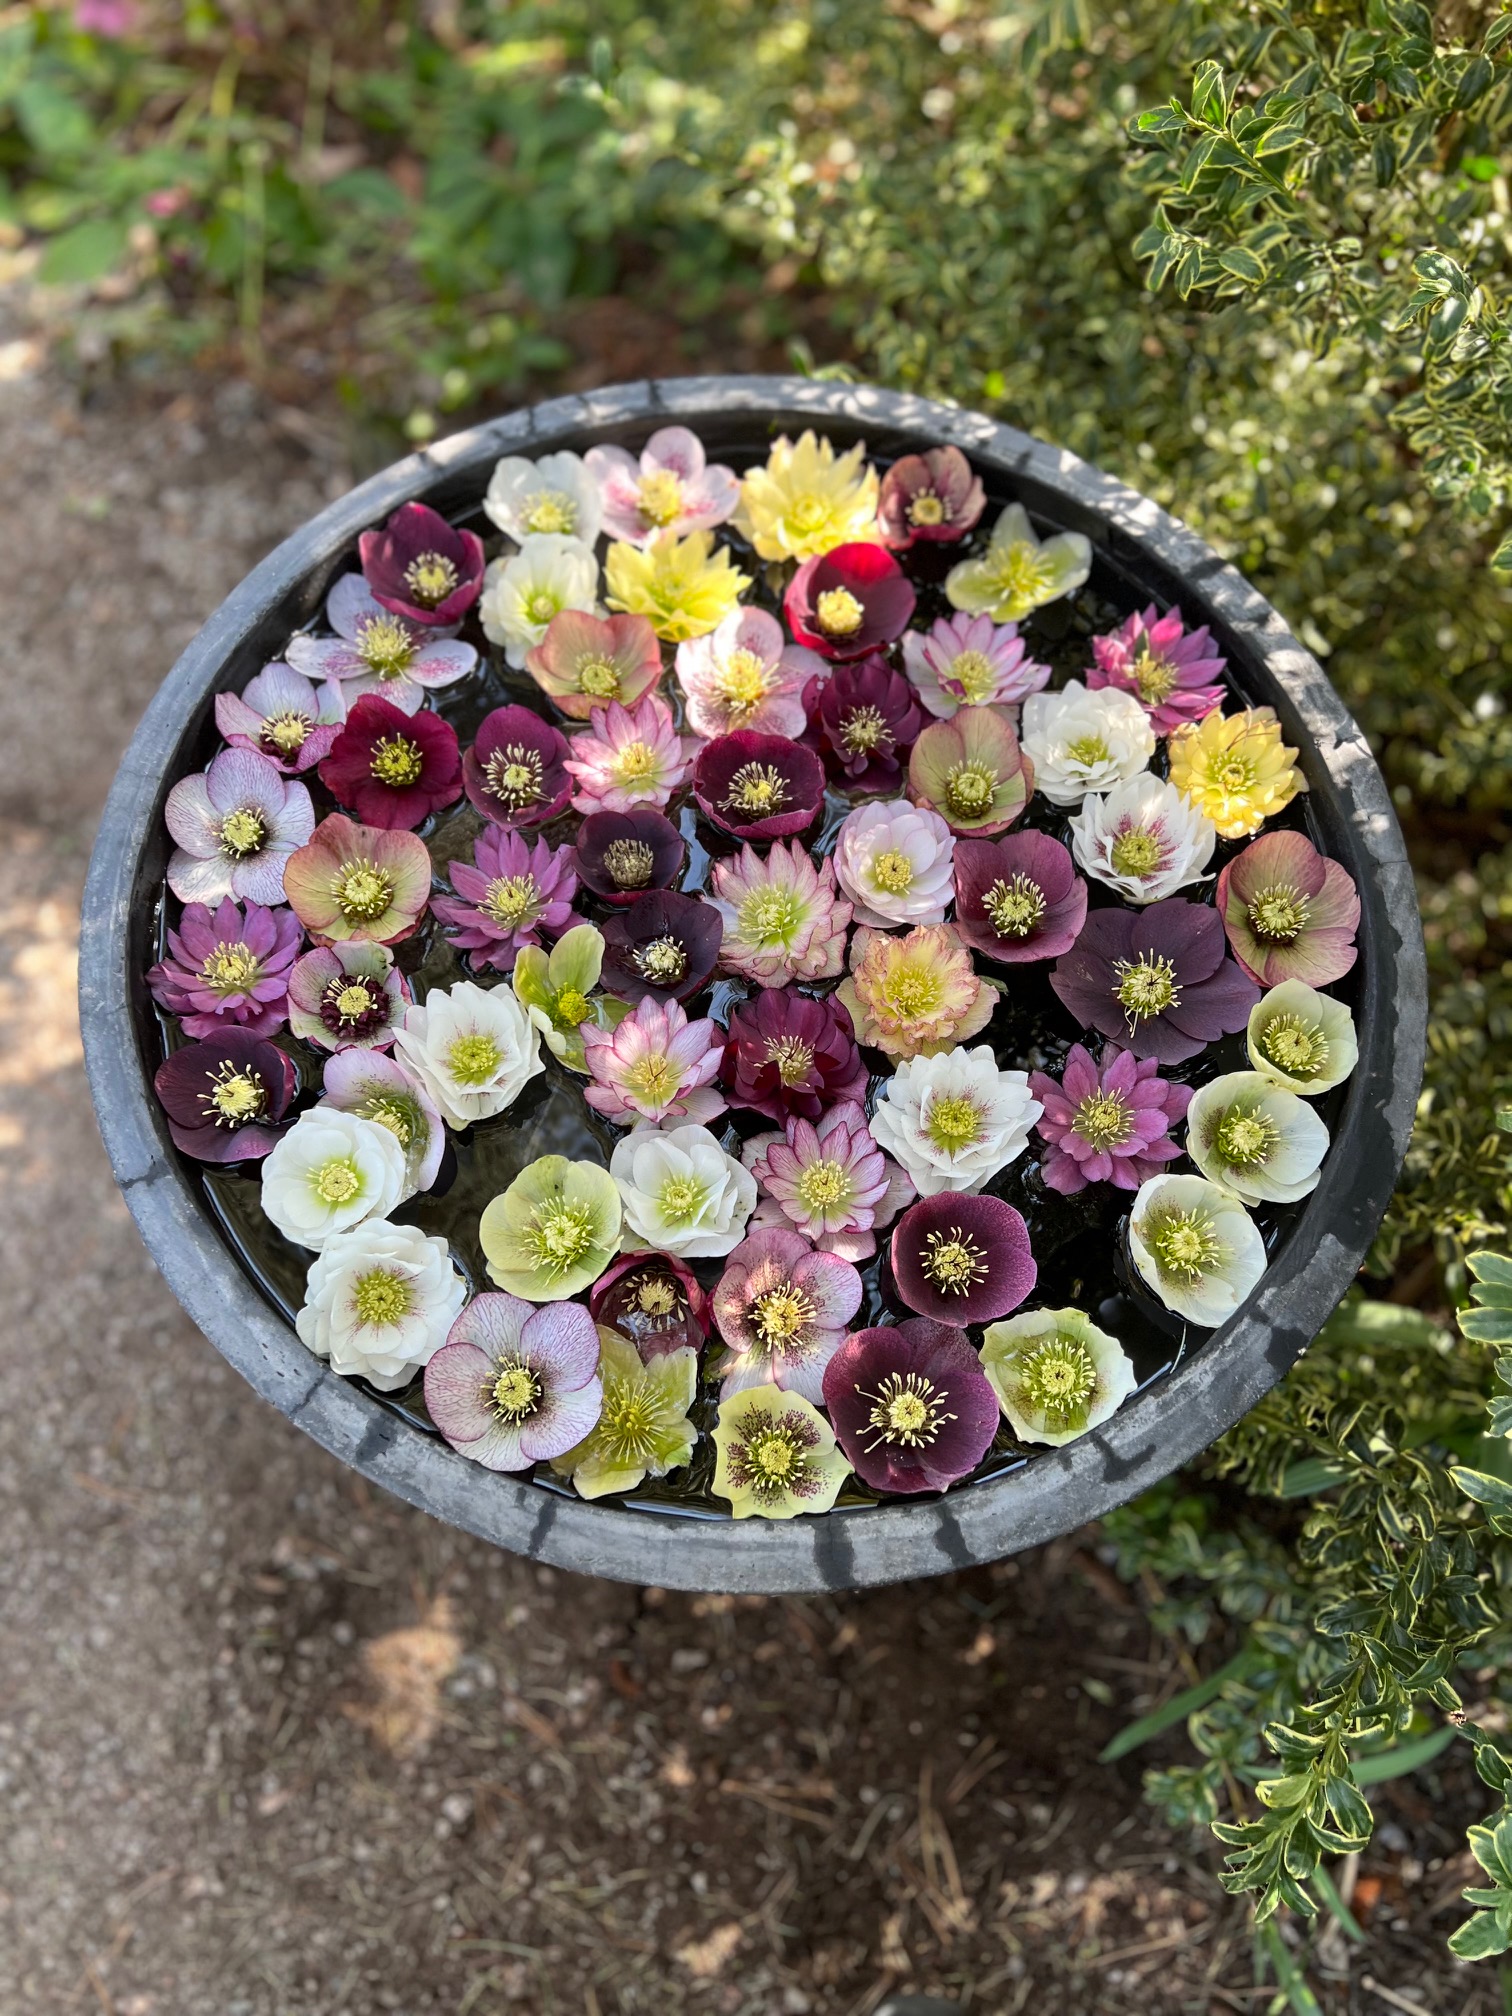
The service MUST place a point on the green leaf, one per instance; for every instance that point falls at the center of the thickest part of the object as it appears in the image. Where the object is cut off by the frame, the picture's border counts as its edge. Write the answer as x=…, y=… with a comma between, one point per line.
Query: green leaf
x=1501, y=559
x=1311, y=1475
x=87, y=252
x=1351, y=1810
x=1242, y=263
x=1300, y=1998
x=1209, y=105
x=1383, y=157
x=1480, y=1938
x=1179, y=1707
x=1493, y=1268
x=1496, y=34
x=1402, y=1758
x=1476, y=80
x=1328, y=1891
x=1487, y=1326
x=1278, y=140
x=1443, y=274
x=1481, y=1487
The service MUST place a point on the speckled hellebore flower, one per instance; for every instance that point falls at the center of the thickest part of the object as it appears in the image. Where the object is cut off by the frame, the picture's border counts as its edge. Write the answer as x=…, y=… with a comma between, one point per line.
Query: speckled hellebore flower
x=1143, y=839
x=421, y=568
x=971, y=770
x=917, y=995
x=507, y=895
x=664, y=946
x=955, y=1119
x=236, y=826
x=758, y=787
x=523, y=591
x=555, y=990
x=933, y=497
x=894, y=863
x=961, y=1257
x=788, y=1053
x=829, y=1180
x=1301, y=1039
x=1018, y=899
x=782, y=918
x=329, y=1172
x=515, y=773
x=359, y=882
x=1108, y=1122
x=631, y=756
x=553, y=1231
x=392, y=769
x=970, y=661
x=1174, y=673
x=347, y=996
x=805, y=499
x=281, y=715
x=910, y=1405
x=1236, y=769
x=585, y=661
x=557, y=494
x=515, y=1384
x=228, y=968
x=1056, y=1375
x=1080, y=741
x=474, y=1050
x=1261, y=1144
x=782, y=1310
x=686, y=587
x=1290, y=913
x=374, y=651
x=654, y=1300
x=864, y=720
x=379, y=1301
x=669, y=487
x=1156, y=980
x=643, y=1428
x=621, y=855
x=1019, y=572
x=745, y=674
x=849, y=602
x=682, y=1194
x=775, y=1455
x=378, y=1088
x=1196, y=1247
x=655, y=1066
x=225, y=1098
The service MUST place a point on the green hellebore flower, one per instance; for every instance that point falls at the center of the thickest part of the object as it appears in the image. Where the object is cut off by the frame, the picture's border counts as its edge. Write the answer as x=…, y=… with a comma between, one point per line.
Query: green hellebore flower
x=776, y=1455
x=1018, y=572
x=553, y=1231
x=554, y=991
x=1055, y=1374
x=644, y=1430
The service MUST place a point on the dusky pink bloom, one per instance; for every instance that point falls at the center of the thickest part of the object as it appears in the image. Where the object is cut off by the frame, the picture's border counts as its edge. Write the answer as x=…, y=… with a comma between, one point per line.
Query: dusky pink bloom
x=744, y=674
x=283, y=716
x=228, y=968
x=1174, y=673
x=670, y=486
x=375, y=651
x=933, y=497
x=829, y=1180
x=631, y=756
x=782, y=1308
x=657, y=1065
x=236, y=824
x=970, y=661
x=507, y=896
x=1108, y=1122
x=1290, y=913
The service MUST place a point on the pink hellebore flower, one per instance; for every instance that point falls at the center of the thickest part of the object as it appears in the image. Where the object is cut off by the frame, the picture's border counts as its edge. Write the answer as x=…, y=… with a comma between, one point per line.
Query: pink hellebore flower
x=228, y=968
x=782, y=1310
x=657, y=1065
x=632, y=756
x=1174, y=673
x=669, y=487
x=745, y=674
x=1107, y=1124
x=375, y=651
x=281, y=715
x=829, y=1180
x=237, y=824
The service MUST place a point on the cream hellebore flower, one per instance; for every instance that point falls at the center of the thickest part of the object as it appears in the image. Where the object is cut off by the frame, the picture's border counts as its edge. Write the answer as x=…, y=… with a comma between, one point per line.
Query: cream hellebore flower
x=681, y=1193
x=895, y=862
x=1301, y=1039
x=556, y=494
x=474, y=1049
x=1081, y=741
x=379, y=1302
x=1144, y=839
x=952, y=1121
x=806, y=499
x=1196, y=1248
x=1056, y=1375
x=523, y=591
x=329, y=1172
x=1260, y=1143
x=1018, y=572
x=643, y=1430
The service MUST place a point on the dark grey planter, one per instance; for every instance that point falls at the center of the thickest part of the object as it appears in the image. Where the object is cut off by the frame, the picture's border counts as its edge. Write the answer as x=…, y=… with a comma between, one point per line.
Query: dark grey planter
x=1161, y=1427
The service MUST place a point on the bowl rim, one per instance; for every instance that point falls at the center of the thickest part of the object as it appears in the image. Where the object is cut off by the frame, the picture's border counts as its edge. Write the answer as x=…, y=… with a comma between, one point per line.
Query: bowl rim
x=1157, y=1430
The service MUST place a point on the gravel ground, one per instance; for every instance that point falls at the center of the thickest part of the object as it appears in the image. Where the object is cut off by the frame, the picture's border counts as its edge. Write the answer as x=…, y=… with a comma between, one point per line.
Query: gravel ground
x=273, y=1745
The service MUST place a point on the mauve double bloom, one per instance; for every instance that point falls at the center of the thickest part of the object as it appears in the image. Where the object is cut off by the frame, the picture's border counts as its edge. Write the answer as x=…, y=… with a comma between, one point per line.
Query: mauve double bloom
x=829, y=1180
x=393, y=769
x=1290, y=913
x=790, y=1054
x=935, y=497
x=1018, y=899
x=511, y=892
x=620, y=856
x=1108, y=1123
x=1174, y=673
x=758, y=787
x=1156, y=979
x=653, y=1300
x=663, y=947
x=226, y=1097
x=421, y=568
x=962, y=1257
x=782, y=1309
x=910, y=1405
x=515, y=773
x=864, y=719
x=849, y=602
x=228, y=968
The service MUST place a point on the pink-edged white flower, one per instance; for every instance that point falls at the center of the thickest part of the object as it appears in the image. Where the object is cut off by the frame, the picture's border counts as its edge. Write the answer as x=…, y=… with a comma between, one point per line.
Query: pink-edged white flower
x=281, y=715
x=970, y=661
x=829, y=1180
x=379, y=1088
x=375, y=651
x=1144, y=839
x=1081, y=741
x=745, y=675
x=953, y=1121
x=236, y=824
x=657, y=1065
x=782, y=1308
x=782, y=918
x=556, y=494
x=629, y=756
x=681, y=1193
x=895, y=862
x=668, y=487
x=513, y=1384
x=523, y=591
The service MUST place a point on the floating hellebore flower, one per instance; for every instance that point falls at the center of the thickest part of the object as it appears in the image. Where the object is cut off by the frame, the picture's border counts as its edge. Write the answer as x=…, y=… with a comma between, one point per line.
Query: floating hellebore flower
x=329, y=1172
x=669, y=487
x=516, y=771
x=782, y=1310
x=524, y=591
x=507, y=895
x=621, y=855
x=226, y=1097
x=865, y=720
x=359, y=882
x=744, y=674
x=585, y=661
x=556, y=991
x=935, y=496
x=805, y=499
x=970, y=661
x=782, y=918
x=664, y=946
x=347, y=996
x=393, y=769
x=917, y=995
x=849, y=601
x=1143, y=839
x=654, y=1300
x=1261, y=1144
x=1301, y=1039
x=1156, y=980
x=513, y=1384
x=681, y=1192
x=972, y=771
x=377, y=1088
x=894, y=862
x=632, y=756
x=788, y=1053
x=910, y=1405
x=1109, y=1123
x=228, y=968
x=775, y=1455
x=758, y=787
x=553, y=1231
x=1019, y=898
x=379, y=1302
x=643, y=1428
x=960, y=1257
x=829, y=1180
x=1018, y=572
x=686, y=587
x=955, y=1119
x=559, y=493
x=1290, y=913
x=474, y=1050
x=1235, y=769
x=236, y=825
x=280, y=714
x=1195, y=1247
x=1056, y=1375
x=375, y=651
x=656, y=1065
x=1080, y=741
x=1174, y=673
x=421, y=568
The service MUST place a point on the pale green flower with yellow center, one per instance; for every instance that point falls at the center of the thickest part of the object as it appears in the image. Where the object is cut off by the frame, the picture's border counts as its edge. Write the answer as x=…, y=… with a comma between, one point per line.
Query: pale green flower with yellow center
x=644, y=1430
x=1018, y=572
x=1262, y=1144
x=1235, y=769
x=806, y=499
x=1301, y=1039
x=553, y=1231
x=684, y=587
x=776, y=1455
x=556, y=992
x=1195, y=1247
x=1056, y=1375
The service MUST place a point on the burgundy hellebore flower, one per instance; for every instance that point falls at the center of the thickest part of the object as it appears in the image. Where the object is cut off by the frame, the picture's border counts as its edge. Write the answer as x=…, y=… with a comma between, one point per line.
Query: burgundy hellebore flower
x=849, y=601
x=514, y=771
x=1175, y=674
x=758, y=787
x=962, y=1257
x=789, y=1054
x=393, y=769
x=1290, y=912
x=654, y=1300
x=509, y=893
x=933, y=496
x=1156, y=979
x=226, y=1097
x=865, y=719
x=664, y=945
x=229, y=968
x=622, y=855
x=1107, y=1124
x=421, y=568
x=910, y=1405
x=1019, y=898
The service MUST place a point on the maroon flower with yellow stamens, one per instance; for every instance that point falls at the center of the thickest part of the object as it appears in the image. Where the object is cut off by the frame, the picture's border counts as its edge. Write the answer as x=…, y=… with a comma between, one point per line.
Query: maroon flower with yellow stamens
x=421, y=568
x=226, y=1097
x=1290, y=912
x=654, y=1300
x=910, y=1405
x=393, y=769
x=790, y=1054
x=962, y=1257
x=620, y=856
x=515, y=771
x=935, y=496
x=848, y=602
x=865, y=719
x=758, y=787
x=1019, y=898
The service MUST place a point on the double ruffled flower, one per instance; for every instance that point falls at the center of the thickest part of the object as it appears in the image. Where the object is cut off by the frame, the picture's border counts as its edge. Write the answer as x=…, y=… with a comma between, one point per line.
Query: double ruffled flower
x=1143, y=839
x=632, y=756
x=955, y=1119
x=970, y=661
x=684, y=587
x=681, y=1192
x=782, y=918
x=1107, y=1123
x=829, y=1180
x=508, y=895
x=1081, y=741
x=227, y=968
x=474, y=1050
x=894, y=863
x=744, y=674
x=669, y=487
x=790, y=1054
x=656, y=1066
x=1174, y=673
x=917, y=995
x=806, y=499
x=379, y=1301
x=1235, y=769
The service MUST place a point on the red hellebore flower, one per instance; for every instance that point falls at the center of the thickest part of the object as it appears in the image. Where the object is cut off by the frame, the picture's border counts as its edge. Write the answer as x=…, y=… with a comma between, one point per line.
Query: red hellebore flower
x=910, y=1405
x=514, y=771
x=1019, y=898
x=848, y=602
x=758, y=787
x=1290, y=913
x=421, y=568
x=654, y=1300
x=393, y=769
x=962, y=1257
x=226, y=1097
x=933, y=496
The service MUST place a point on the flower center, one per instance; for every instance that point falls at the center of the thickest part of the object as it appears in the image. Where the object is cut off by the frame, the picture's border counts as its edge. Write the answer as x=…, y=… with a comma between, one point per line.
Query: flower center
x=234, y=1096
x=474, y=1059
x=912, y=991
x=430, y=578
x=1138, y=850
x=558, y=1236
x=975, y=674
x=1017, y=572
x=386, y=646
x=1246, y=1140
x=1278, y=914
x=794, y=1059
x=397, y=761
x=400, y=1116
x=1058, y=1376
x=774, y=1459
x=864, y=730
x=600, y=677
x=657, y=1298
x=838, y=612
x=627, y=1427
x=653, y=1079
x=572, y=1008
x=969, y=789
x=823, y=1185
x=1103, y=1120
x=550, y=511
x=1299, y=1048
x=926, y=509
x=1154, y=676
x=771, y=916
x=286, y=733
x=1015, y=907
x=381, y=1297
x=807, y=514
x=742, y=682
x=954, y=1261
x=906, y=1408
x=1088, y=750
x=362, y=892
x=337, y=1181
x=892, y=873
x=352, y=1007
x=631, y=863
x=516, y=776
x=1146, y=987
x=510, y=899
x=634, y=763
x=758, y=789
x=1186, y=1243
x=514, y=1392
x=681, y=1200
x=1235, y=774
x=541, y=605
x=663, y=962
x=242, y=832
x=953, y=1122
x=779, y=1315
x=660, y=497
x=231, y=969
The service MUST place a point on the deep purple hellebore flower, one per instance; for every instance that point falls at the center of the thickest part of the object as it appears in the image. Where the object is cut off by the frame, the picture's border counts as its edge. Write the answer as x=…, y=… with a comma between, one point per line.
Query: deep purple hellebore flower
x=622, y=855
x=910, y=1405
x=865, y=718
x=789, y=1054
x=514, y=772
x=848, y=602
x=758, y=787
x=1107, y=1124
x=1018, y=898
x=421, y=568
x=664, y=945
x=962, y=1257
x=1155, y=979
x=226, y=1097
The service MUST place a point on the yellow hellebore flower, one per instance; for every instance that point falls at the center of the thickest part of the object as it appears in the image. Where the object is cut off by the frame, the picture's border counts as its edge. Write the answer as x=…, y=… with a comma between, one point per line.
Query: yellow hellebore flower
x=1236, y=769
x=684, y=587
x=806, y=499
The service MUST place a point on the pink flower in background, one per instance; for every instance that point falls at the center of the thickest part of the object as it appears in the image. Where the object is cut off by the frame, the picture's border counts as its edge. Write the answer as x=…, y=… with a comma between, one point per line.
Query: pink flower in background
x=110, y=18
x=668, y=487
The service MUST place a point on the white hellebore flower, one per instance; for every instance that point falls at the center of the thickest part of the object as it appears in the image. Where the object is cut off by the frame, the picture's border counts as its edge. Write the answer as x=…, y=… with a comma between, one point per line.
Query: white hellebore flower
x=894, y=862
x=1081, y=741
x=1056, y=1375
x=954, y=1120
x=522, y=592
x=1196, y=1247
x=1301, y=1039
x=682, y=1194
x=1260, y=1143
x=555, y=494
x=1144, y=839
x=379, y=1301
x=473, y=1048
x=1018, y=572
x=329, y=1172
